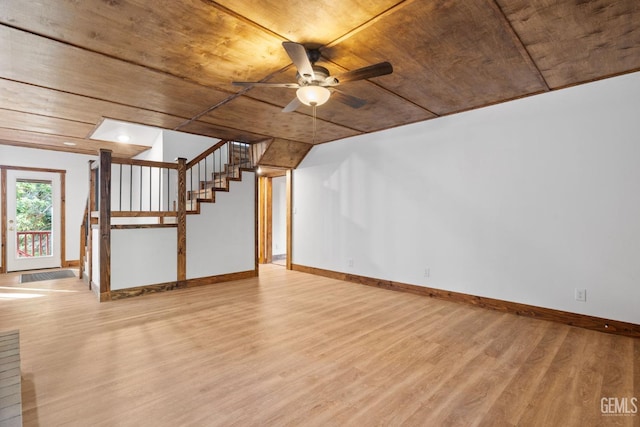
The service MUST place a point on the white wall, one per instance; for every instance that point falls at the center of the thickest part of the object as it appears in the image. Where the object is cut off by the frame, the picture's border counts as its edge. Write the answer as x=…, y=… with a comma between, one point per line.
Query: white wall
x=185, y=145
x=222, y=238
x=523, y=201
x=279, y=215
x=154, y=153
x=143, y=256
x=77, y=184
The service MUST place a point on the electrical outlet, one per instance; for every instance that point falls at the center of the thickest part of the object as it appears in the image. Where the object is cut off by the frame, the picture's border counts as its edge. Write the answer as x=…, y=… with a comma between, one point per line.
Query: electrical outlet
x=581, y=295
x=350, y=262
x=427, y=272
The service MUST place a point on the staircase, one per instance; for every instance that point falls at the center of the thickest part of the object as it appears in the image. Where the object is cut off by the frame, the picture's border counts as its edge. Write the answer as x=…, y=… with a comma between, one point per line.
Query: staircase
x=136, y=222
x=238, y=159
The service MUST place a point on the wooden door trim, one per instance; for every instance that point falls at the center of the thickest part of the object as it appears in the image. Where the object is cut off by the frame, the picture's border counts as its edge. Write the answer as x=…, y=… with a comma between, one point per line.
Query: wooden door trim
x=289, y=197
x=3, y=207
x=265, y=217
x=3, y=202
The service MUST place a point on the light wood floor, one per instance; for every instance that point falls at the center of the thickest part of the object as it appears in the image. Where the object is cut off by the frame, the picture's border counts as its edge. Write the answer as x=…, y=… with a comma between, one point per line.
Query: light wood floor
x=296, y=349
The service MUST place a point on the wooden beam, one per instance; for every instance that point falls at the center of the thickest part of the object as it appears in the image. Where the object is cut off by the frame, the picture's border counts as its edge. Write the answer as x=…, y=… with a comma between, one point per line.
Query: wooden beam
x=289, y=191
x=91, y=206
x=105, y=223
x=182, y=219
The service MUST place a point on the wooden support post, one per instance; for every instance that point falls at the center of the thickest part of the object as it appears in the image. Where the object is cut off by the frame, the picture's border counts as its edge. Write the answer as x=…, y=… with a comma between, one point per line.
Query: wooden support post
x=289, y=192
x=83, y=244
x=91, y=205
x=105, y=224
x=3, y=220
x=63, y=219
x=182, y=219
x=256, y=214
x=261, y=222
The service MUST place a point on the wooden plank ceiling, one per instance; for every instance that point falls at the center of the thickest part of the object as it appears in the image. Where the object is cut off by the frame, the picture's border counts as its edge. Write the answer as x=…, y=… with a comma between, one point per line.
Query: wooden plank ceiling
x=66, y=64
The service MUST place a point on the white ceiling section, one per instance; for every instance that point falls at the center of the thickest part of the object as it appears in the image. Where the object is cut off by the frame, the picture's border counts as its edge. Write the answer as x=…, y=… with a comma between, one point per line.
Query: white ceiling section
x=126, y=133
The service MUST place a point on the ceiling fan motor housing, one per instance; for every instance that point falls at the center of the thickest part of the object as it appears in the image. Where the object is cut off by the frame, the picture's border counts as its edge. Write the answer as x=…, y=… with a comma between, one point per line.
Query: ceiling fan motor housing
x=313, y=55
x=320, y=76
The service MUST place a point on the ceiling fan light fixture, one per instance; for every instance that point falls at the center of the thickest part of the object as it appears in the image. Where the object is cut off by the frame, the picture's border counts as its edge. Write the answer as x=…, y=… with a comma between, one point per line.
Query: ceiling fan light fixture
x=313, y=95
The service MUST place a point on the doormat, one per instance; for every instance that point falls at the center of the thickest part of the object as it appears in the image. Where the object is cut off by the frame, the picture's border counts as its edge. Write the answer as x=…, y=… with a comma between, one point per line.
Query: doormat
x=46, y=275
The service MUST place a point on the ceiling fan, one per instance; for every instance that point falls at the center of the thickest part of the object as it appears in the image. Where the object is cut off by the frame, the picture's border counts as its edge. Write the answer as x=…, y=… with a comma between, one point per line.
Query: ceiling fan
x=315, y=84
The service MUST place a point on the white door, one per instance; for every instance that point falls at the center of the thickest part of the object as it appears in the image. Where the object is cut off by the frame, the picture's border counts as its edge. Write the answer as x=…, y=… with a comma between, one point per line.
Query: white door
x=33, y=220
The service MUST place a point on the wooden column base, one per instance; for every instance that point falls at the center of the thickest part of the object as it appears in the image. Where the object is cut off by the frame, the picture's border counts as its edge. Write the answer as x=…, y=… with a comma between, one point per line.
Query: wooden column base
x=169, y=286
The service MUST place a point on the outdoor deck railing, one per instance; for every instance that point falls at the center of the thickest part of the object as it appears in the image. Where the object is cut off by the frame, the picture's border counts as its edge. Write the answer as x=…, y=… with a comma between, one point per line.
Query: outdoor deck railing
x=33, y=243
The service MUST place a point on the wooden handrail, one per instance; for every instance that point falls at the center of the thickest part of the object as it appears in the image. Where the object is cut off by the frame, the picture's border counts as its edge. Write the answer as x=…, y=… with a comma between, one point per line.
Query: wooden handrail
x=206, y=153
x=148, y=163
x=143, y=214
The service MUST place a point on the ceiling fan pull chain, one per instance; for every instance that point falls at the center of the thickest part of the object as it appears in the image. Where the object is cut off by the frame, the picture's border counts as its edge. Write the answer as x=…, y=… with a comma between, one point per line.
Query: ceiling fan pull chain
x=313, y=138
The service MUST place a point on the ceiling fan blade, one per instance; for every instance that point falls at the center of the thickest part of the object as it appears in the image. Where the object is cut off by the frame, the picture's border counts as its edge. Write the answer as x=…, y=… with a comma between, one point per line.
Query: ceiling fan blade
x=366, y=72
x=298, y=55
x=346, y=99
x=265, y=84
x=292, y=106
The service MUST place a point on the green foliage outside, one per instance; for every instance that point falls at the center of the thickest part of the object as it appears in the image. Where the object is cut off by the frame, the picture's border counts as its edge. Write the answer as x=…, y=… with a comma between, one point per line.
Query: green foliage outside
x=34, y=206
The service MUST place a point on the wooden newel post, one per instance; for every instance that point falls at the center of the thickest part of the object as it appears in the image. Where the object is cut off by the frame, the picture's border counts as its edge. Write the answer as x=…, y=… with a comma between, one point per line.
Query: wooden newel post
x=182, y=220
x=105, y=224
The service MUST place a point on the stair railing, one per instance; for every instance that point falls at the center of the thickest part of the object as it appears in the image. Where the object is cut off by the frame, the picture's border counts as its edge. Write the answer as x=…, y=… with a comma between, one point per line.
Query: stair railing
x=146, y=191
x=213, y=169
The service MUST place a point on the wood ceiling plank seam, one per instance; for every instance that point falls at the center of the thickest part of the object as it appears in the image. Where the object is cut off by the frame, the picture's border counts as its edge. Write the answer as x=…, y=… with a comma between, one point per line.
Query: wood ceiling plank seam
x=222, y=130
x=362, y=27
x=44, y=115
x=94, y=98
x=47, y=134
x=368, y=23
x=388, y=91
x=517, y=40
x=244, y=19
x=122, y=151
x=234, y=129
x=114, y=57
x=48, y=147
x=68, y=137
x=231, y=98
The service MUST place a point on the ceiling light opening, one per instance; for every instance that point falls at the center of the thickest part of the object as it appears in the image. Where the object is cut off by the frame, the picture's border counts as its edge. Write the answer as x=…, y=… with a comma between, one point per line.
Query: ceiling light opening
x=123, y=137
